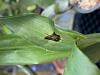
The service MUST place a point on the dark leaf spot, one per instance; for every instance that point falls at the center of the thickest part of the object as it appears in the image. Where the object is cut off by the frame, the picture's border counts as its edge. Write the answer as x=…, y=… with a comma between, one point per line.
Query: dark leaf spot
x=53, y=37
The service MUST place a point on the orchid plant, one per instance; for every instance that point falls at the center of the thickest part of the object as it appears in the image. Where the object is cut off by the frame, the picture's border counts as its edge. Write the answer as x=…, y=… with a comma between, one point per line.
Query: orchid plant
x=34, y=39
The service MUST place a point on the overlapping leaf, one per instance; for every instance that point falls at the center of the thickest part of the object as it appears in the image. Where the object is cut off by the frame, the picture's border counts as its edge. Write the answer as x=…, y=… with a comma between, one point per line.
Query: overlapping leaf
x=90, y=39
x=79, y=64
x=93, y=52
x=90, y=46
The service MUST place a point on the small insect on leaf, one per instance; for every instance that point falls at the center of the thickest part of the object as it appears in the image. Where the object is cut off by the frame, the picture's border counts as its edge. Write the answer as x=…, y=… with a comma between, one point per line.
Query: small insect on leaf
x=53, y=37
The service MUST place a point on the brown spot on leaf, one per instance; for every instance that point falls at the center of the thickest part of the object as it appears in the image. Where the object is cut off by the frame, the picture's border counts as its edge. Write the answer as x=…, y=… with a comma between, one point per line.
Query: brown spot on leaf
x=53, y=37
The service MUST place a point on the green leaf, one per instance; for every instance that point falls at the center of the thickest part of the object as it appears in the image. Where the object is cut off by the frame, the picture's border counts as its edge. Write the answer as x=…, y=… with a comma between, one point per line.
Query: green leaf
x=15, y=50
x=75, y=35
x=43, y=3
x=34, y=48
x=1, y=2
x=90, y=39
x=79, y=64
x=93, y=52
x=49, y=12
x=90, y=46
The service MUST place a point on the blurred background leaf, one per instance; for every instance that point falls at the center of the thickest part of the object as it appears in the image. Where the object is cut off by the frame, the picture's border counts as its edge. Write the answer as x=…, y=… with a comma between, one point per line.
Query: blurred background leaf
x=42, y=3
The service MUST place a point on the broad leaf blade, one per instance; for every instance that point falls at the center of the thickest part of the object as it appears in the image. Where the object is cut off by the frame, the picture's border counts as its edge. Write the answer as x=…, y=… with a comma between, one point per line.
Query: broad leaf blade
x=32, y=28
x=35, y=28
x=15, y=50
x=79, y=64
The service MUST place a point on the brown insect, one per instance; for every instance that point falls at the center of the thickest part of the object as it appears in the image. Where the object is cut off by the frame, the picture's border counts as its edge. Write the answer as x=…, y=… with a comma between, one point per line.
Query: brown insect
x=53, y=37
